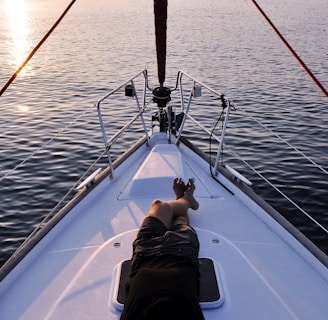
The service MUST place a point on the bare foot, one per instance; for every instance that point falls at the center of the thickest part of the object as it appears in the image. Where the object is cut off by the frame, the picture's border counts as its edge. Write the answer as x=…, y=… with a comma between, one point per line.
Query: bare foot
x=189, y=194
x=178, y=188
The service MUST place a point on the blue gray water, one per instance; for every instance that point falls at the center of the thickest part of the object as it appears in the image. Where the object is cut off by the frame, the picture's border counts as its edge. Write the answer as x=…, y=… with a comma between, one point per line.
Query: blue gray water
x=226, y=44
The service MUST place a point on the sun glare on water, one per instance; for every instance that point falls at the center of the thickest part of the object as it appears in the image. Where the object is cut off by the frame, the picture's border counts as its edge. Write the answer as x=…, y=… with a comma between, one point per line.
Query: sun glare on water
x=23, y=108
x=18, y=30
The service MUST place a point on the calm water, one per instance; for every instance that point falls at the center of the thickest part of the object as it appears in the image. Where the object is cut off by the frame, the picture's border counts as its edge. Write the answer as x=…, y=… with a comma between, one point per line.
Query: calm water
x=226, y=44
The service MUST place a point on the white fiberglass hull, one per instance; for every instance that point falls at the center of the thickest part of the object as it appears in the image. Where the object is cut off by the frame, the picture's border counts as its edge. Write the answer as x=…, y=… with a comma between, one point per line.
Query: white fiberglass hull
x=264, y=272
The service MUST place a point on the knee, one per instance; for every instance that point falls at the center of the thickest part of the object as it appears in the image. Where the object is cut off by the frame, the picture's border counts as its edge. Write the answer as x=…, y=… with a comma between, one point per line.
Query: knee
x=162, y=211
x=156, y=202
x=159, y=205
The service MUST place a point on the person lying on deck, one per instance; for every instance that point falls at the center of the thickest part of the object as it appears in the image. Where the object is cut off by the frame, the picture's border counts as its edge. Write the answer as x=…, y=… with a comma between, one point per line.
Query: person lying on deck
x=164, y=278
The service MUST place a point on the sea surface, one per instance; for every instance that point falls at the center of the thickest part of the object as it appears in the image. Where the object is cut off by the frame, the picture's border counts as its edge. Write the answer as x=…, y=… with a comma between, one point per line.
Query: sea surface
x=49, y=128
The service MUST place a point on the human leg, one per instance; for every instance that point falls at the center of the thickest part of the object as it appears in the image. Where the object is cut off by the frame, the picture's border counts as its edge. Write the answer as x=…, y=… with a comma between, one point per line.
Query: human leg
x=179, y=188
x=167, y=222
x=175, y=211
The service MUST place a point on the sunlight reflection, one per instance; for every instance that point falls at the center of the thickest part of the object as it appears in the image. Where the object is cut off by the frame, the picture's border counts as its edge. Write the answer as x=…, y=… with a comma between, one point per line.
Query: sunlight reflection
x=18, y=30
x=23, y=108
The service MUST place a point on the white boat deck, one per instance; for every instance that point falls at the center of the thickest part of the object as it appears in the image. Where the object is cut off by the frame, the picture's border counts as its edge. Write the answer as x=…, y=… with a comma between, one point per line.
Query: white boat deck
x=70, y=275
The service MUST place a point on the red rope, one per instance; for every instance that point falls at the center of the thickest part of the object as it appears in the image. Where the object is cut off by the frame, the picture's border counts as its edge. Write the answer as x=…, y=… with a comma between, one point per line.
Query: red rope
x=316, y=81
x=13, y=77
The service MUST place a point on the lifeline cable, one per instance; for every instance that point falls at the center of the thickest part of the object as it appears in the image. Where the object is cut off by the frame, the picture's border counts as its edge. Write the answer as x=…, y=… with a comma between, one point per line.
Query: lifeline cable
x=316, y=81
x=285, y=141
x=13, y=77
x=278, y=190
x=41, y=147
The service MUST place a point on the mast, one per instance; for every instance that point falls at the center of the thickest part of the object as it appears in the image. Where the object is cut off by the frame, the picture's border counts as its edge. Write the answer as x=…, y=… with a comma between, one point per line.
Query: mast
x=161, y=94
x=160, y=12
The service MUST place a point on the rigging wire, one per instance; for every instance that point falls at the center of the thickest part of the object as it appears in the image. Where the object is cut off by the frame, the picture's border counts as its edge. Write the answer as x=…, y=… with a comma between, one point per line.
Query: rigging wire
x=286, y=142
x=236, y=155
x=305, y=67
x=61, y=201
x=59, y=132
x=73, y=187
x=278, y=190
x=37, y=47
